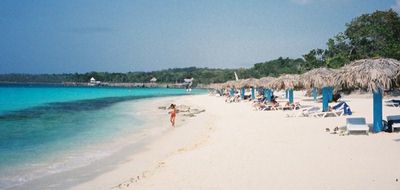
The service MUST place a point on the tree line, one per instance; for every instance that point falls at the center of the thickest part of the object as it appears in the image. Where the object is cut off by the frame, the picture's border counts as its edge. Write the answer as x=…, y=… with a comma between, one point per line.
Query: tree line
x=368, y=36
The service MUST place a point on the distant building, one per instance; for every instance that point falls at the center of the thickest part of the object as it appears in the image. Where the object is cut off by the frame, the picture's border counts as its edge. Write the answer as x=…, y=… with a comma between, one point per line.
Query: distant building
x=93, y=82
x=153, y=80
x=188, y=82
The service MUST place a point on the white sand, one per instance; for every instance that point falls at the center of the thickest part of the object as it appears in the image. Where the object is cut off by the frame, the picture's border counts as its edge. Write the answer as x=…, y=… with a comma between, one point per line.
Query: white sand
x=230, y=146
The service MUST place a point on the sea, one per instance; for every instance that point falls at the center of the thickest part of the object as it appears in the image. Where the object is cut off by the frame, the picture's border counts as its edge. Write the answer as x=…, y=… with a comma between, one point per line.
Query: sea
x=48, y=129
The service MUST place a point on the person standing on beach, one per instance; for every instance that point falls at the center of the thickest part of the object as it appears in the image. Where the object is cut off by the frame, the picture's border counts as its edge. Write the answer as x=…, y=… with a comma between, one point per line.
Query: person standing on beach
x=172, y=112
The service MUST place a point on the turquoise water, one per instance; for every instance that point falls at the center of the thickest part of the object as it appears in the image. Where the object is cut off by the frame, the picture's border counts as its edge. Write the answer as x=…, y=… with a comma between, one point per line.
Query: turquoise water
x=42, y=128
x=14, y=97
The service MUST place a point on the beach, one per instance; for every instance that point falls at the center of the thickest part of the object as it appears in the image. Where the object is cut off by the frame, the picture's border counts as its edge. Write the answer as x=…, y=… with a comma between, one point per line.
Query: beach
x=54, y=137
x=231, y=146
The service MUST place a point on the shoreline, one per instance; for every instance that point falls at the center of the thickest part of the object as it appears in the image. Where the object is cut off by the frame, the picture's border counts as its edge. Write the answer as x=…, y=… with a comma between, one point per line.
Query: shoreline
x=152, y=150
x=151, y=130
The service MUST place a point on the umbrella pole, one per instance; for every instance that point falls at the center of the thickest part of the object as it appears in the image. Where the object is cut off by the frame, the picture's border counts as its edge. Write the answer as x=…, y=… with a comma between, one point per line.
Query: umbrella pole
x=377, y=111
x=269, y=98
x=242, y=93
x=286, y=93
x=265, y=93
x=325, y=99
x=330, y=93
x=314, y=93
x=290, y=96
x=253, y=96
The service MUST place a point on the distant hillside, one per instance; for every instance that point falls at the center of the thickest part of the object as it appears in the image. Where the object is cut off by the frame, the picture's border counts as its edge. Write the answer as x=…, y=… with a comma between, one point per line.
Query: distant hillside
x=201, y=75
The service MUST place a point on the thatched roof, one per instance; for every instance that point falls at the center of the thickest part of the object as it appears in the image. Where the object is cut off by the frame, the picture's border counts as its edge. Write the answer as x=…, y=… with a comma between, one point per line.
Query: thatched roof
x=369, y=74
x=215, y=85
x=229, y=84
x=285, y=82
x=248, y=82
x=318, y=78
x=265, y=81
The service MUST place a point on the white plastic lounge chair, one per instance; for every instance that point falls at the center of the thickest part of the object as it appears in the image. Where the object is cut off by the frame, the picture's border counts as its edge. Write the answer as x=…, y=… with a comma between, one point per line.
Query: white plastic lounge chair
x=392, y=103
x=391, y=118
x=356, y=124
x=270, y=107
x=305, y=112
x=334, y=113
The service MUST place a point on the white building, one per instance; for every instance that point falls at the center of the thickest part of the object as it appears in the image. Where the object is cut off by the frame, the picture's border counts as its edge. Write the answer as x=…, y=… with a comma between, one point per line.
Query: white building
x=154, y=79
x=92, y=80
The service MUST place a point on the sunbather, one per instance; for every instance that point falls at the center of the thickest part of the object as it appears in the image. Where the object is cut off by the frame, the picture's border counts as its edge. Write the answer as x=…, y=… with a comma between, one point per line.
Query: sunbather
x=275, y=104
x=259, y=105
x=288, y=106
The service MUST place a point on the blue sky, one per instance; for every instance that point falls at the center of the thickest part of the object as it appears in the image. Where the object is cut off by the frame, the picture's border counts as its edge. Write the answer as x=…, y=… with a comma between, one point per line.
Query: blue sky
x=67, y=36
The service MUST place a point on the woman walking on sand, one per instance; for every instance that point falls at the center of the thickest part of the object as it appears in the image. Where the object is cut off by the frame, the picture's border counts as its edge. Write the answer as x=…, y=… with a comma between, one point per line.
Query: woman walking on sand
x=172, y=111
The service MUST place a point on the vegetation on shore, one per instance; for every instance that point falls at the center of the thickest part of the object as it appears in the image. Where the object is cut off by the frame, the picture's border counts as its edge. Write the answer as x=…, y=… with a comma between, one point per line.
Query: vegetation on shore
x=367, y=36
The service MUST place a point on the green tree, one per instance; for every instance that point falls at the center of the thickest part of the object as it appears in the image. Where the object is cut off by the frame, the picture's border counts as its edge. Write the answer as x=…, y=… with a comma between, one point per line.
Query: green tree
x=314, y=59
x=339, y=51
x=375, y=35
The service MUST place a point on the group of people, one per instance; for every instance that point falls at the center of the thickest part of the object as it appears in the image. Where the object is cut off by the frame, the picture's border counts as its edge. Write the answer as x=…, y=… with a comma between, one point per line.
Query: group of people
x=261, y=101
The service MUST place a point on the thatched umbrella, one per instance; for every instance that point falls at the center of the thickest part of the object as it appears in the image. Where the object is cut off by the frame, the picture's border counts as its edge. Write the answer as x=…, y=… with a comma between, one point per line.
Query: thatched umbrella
x=250, y=82
x=265, y=82
x=231, y=85
x=216, y=85
x=318, y=78
x=321, y=78
x=370, y=74
x=286, y=82
x=373, y=75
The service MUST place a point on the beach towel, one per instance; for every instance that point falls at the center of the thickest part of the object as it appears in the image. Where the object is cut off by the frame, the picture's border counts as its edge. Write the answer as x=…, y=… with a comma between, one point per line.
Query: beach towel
x=343, y=106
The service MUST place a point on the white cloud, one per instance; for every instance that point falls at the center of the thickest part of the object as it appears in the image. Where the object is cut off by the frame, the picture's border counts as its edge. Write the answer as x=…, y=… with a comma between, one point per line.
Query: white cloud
x=396, y=6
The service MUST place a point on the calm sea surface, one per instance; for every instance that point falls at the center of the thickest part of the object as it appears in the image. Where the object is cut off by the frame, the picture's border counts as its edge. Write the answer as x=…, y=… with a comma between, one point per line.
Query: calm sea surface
x=50, y=129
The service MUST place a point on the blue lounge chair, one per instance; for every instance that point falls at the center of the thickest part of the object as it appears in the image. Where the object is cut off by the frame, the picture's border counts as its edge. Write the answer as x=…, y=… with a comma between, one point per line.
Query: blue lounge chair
x=393, y=121
x=343, y=106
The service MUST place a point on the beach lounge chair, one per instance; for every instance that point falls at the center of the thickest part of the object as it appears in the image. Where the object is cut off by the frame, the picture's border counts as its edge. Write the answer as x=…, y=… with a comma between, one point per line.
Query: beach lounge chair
x=393, y=121
x=393, y=103
x=289, y=106
x=334, y=113
x=343, y=106
x=305, y=112
x=269, y=107
x=356, y=124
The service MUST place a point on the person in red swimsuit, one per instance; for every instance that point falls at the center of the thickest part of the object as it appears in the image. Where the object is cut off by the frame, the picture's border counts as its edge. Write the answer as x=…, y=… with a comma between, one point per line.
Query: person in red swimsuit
x=172, y=111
